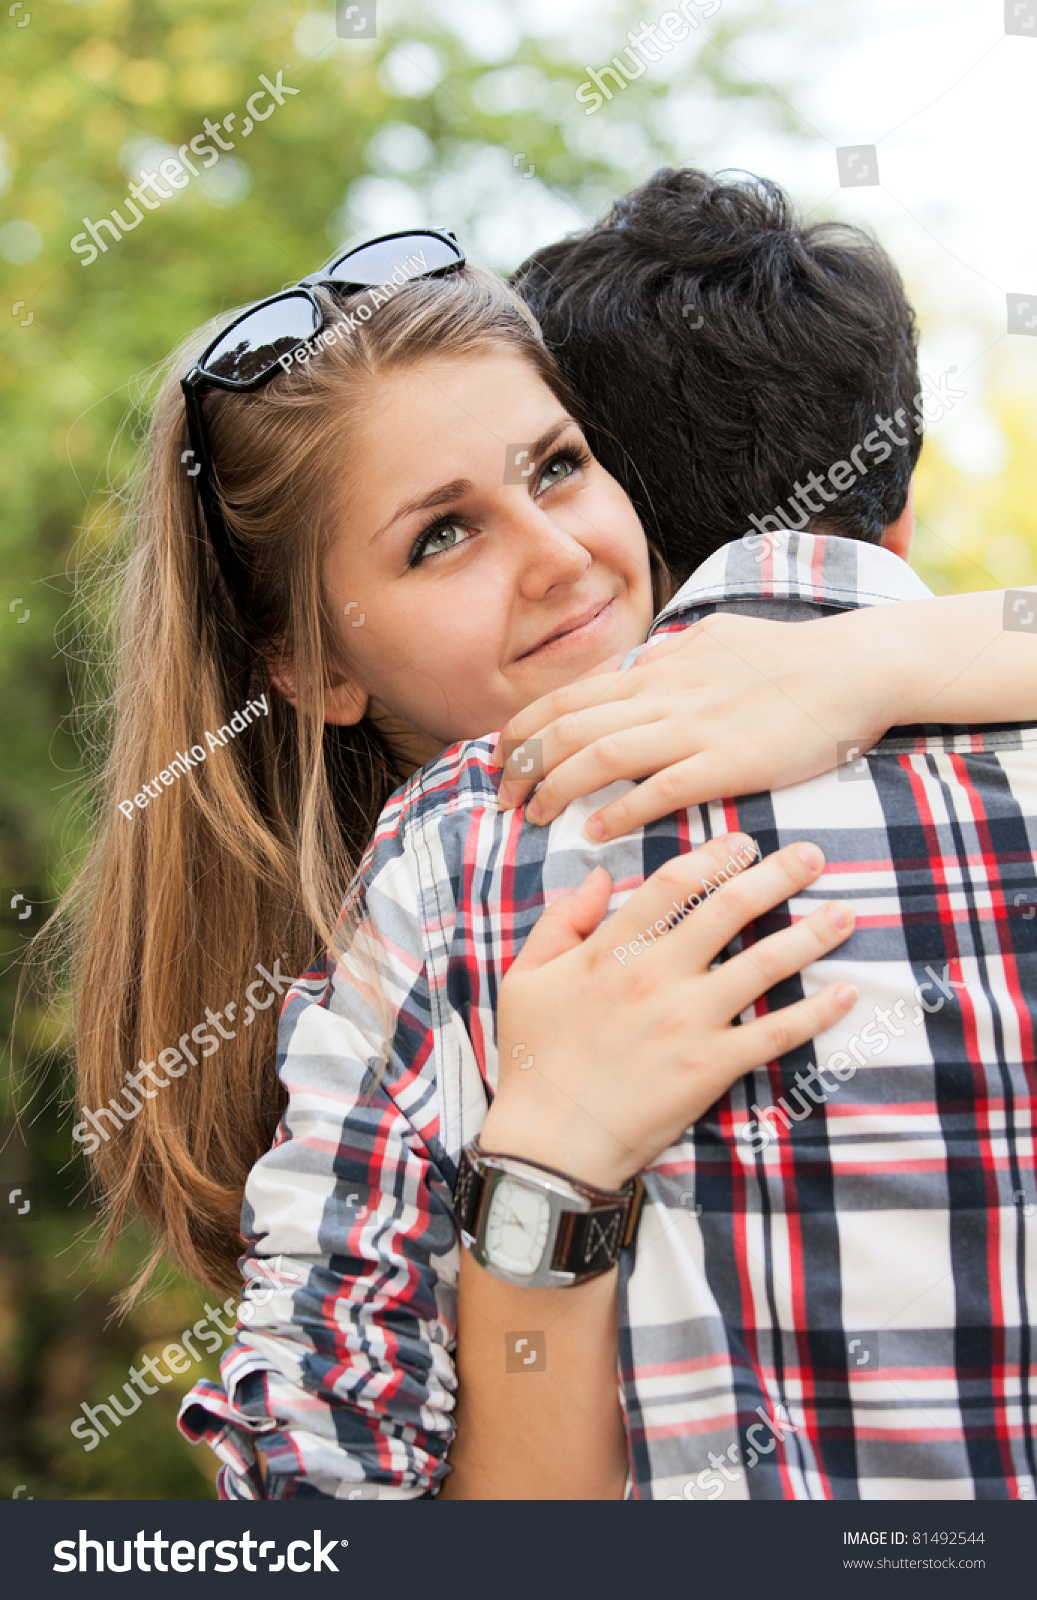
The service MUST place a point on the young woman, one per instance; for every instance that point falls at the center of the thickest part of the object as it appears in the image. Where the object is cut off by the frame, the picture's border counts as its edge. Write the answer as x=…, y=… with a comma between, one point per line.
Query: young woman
x=329, y=584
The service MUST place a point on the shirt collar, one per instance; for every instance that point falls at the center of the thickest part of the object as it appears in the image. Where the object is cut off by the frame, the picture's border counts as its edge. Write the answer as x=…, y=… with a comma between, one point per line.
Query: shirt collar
x=822, y=568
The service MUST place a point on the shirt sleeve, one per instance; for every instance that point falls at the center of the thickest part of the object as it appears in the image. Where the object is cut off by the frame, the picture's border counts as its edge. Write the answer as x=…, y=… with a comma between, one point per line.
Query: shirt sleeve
x=341, y=1368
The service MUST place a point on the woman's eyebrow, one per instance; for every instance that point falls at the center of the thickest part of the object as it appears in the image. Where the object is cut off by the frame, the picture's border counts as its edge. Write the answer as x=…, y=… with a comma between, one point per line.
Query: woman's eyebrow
x=425, y=502
x=459, y=487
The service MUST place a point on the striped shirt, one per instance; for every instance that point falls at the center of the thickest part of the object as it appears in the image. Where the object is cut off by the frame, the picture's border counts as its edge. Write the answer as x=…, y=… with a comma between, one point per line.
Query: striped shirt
x=831, y=1291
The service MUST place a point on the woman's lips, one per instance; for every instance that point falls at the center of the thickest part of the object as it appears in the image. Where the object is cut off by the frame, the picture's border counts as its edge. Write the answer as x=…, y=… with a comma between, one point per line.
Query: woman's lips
x=598, y=622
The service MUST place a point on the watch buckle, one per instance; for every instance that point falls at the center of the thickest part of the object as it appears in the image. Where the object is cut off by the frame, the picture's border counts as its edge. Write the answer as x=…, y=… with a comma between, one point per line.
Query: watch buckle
x=634, y=1213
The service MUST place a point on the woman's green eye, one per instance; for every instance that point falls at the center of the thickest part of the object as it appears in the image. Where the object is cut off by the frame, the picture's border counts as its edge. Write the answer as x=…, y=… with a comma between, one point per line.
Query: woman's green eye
x=555, y=472
x=443, y=538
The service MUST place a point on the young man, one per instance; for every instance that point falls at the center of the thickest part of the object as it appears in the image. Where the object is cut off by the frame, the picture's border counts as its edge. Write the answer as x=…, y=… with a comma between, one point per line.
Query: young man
x=830, y=1293
x=724, y=352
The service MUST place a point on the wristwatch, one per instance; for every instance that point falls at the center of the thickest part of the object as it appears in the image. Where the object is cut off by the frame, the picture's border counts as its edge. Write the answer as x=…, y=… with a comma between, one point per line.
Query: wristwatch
x=538, y=1228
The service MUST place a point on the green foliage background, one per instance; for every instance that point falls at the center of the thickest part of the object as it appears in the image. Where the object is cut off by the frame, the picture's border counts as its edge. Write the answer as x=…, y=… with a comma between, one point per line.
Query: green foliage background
x=501, y=148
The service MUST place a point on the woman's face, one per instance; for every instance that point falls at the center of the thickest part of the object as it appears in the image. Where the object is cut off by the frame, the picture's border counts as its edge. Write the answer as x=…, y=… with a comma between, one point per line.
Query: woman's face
x=461, y=596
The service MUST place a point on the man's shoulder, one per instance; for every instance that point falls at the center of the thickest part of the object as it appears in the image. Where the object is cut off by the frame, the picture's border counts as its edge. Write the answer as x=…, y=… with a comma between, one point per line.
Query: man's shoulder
x=810, y=568
x=972, y=739
x=936, y=778
x=408, y=878
x=441, y=796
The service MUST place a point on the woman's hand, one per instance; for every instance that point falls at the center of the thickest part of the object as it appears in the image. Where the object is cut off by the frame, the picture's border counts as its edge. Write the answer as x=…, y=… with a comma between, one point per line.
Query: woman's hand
x=730, y=706
x=607, y=1053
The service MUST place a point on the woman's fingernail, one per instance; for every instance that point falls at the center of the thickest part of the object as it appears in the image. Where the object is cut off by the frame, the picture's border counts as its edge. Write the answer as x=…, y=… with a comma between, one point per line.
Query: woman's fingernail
x=535, y=811
x=810, y=856
x=594, y=828
x=839, y=913
x=504, y=796
x=495, y=756
x=847, y=996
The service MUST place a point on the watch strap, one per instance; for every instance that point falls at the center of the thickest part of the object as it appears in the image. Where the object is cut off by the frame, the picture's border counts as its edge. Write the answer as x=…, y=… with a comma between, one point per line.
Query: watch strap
x=468, y=1188
x=590, y=1243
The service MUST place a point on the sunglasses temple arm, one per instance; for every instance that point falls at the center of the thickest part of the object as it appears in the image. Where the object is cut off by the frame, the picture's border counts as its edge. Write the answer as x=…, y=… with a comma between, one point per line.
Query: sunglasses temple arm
x=211, y=520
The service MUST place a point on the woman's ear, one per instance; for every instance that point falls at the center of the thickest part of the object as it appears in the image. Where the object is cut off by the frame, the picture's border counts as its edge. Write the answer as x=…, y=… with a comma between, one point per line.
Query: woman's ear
x=345, y=702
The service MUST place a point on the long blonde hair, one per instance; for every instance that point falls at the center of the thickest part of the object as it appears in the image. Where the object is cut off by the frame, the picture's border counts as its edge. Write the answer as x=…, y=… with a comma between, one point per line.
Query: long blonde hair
x=246, y=856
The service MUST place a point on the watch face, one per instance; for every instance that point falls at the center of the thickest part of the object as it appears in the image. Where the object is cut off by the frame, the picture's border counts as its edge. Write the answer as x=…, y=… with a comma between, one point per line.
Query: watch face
x=517, y=1226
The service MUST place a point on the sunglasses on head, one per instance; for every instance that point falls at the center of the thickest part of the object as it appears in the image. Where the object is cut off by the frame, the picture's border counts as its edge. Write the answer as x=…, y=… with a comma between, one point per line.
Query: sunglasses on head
x=252, y=350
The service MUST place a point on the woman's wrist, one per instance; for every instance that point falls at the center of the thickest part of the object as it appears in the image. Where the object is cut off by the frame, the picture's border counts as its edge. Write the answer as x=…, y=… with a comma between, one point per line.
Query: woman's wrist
x=570, y=1143
x=888, y=664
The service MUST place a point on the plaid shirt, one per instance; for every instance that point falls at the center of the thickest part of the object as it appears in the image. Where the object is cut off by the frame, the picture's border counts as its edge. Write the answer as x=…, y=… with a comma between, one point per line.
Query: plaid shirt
x=831, y=1292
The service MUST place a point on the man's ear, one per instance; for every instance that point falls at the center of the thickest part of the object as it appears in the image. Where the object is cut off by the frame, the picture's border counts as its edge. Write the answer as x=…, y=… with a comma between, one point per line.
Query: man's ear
x=345, y=702
x=897, y=536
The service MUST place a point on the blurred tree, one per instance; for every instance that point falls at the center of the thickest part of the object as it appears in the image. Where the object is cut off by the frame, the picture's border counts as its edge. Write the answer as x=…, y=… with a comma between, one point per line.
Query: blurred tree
x=979, y=530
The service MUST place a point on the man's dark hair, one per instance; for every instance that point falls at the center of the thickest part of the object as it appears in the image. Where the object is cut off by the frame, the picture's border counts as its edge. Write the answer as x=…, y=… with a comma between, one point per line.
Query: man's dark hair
x=723, y=350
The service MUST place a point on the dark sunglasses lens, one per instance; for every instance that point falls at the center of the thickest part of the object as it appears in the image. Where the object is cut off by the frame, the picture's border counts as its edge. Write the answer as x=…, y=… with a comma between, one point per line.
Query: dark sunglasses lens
x=414, y=254
x=254, y=344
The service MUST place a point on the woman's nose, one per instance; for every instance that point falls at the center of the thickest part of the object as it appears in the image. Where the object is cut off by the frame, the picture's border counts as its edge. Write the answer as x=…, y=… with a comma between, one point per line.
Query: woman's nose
x=548, y=554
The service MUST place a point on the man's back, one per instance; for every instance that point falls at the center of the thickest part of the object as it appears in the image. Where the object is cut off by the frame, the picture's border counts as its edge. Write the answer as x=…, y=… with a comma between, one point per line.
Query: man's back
x=836, y=1269
x=853, y=1290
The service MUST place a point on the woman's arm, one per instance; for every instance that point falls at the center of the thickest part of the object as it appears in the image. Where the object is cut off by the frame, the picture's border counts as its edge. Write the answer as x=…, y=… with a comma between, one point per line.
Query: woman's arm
x=551, y=1435
x=339, y=1367
x=615, y=1078
x=737, y=704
